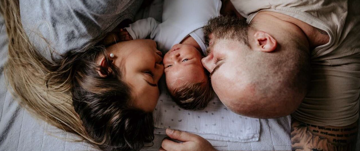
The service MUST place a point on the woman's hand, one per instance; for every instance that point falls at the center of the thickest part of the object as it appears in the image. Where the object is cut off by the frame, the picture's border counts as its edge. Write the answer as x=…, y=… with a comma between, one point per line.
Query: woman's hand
x=185, y=141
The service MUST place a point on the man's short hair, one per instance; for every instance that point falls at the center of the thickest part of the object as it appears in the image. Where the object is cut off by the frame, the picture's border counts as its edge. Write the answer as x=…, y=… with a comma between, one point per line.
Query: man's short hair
x=226, y=27
x=278, y=78
x=193, y=96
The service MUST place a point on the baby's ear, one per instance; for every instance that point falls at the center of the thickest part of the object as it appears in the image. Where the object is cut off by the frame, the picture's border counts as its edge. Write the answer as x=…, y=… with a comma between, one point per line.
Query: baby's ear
x=104, y=66
x=264, y=42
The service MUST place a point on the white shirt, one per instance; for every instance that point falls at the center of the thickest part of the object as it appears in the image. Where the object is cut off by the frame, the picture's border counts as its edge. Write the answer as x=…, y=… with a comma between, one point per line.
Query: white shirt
x=180, y=19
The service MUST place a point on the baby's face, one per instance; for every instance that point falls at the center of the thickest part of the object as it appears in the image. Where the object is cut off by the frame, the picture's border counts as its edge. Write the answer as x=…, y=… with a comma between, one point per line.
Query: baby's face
x=183, y=65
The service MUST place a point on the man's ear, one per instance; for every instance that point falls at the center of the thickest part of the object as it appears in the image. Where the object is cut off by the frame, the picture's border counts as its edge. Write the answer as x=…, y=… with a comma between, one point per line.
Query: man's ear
x=265, y=42
x=103, y=66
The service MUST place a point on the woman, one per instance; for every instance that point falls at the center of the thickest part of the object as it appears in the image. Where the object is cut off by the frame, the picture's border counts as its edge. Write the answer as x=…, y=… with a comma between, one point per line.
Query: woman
x=98, y=93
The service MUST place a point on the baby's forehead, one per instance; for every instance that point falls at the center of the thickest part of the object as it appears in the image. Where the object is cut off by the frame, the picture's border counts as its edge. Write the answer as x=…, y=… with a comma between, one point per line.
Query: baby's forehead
x=179, y=78
x=177, y=83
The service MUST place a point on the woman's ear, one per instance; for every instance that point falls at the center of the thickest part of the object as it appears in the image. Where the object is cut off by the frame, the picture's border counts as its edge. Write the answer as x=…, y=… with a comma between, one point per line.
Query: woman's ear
x=265, y=42
x=103, y=67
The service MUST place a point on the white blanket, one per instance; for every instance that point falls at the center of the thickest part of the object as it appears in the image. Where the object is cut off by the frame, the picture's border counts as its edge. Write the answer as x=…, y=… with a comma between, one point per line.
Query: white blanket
x=215, y=122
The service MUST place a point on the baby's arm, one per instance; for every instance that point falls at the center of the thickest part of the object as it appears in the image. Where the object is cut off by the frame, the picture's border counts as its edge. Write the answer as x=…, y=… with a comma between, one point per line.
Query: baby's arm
x=141, y=29
x=116, y=36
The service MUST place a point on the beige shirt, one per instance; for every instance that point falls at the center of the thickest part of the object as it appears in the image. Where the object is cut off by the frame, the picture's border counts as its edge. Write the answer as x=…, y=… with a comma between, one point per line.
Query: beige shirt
x=333, y=97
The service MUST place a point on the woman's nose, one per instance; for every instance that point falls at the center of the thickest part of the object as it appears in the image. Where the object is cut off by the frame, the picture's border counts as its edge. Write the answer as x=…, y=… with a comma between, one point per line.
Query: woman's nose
x=208, y=62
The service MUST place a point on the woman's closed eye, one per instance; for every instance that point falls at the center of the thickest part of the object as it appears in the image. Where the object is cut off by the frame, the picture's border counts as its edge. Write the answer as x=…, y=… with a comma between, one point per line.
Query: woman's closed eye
x=149, y=73
x=150, y=78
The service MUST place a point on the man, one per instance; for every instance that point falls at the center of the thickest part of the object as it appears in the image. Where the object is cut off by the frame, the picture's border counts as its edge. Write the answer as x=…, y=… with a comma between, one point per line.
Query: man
x=294, y=57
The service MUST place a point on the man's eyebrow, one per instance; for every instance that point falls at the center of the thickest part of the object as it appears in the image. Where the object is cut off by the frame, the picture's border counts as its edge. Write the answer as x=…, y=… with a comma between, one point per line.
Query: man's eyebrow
x=216, y=68
x=210, y=47
x=208, y=50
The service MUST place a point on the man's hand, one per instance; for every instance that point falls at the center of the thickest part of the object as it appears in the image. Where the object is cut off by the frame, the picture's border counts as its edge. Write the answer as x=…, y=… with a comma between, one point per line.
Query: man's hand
x=187, y=142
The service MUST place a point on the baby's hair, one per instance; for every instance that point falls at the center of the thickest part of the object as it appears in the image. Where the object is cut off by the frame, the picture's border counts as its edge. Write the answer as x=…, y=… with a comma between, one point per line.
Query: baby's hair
x=194, y=96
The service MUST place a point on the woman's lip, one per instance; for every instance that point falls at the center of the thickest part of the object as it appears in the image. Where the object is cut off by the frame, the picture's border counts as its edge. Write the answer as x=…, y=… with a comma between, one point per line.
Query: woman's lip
x=159, y=53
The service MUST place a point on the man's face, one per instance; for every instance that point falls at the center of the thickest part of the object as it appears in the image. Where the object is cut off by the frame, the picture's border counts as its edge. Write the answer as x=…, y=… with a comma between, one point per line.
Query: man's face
x=226, y=62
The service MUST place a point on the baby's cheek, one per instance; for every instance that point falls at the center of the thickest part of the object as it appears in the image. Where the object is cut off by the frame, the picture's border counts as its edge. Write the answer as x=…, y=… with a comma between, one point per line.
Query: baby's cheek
x=167, y=77
x=166, y=57
x=169, y=81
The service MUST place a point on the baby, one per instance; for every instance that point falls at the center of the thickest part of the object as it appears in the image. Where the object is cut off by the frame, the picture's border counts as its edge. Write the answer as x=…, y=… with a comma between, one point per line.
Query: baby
x=180, y=36
x=186, y=79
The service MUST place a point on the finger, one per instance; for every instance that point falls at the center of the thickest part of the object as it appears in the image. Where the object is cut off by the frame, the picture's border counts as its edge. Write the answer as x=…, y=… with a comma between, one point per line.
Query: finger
x=181, y=136
x=162, y=149
x=170, y=145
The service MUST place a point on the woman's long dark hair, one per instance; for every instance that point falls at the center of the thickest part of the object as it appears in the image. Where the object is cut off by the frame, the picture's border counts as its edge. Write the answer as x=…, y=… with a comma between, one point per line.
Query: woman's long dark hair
x=103, y=105
x=69, y=94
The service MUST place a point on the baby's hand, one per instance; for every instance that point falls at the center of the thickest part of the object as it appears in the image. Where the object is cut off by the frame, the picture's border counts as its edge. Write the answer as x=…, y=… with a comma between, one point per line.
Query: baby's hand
x=116, y=36
x=124, y=35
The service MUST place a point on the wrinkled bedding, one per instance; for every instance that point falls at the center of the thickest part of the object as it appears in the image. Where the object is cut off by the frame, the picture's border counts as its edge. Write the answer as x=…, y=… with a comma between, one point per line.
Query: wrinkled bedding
x=20, y=131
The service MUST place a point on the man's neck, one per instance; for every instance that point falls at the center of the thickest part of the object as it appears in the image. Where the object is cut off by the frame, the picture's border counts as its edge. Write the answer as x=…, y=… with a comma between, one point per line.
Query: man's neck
x=315, y=36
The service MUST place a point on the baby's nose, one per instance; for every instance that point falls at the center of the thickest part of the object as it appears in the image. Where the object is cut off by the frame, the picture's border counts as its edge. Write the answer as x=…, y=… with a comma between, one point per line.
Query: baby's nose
x=177, y=55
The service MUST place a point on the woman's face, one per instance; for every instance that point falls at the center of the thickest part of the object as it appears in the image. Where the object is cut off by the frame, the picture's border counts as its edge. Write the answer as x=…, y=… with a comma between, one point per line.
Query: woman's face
x=141, y=65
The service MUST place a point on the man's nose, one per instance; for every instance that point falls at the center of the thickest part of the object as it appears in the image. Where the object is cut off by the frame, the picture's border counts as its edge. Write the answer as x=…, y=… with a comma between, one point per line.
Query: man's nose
x=208, y=62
